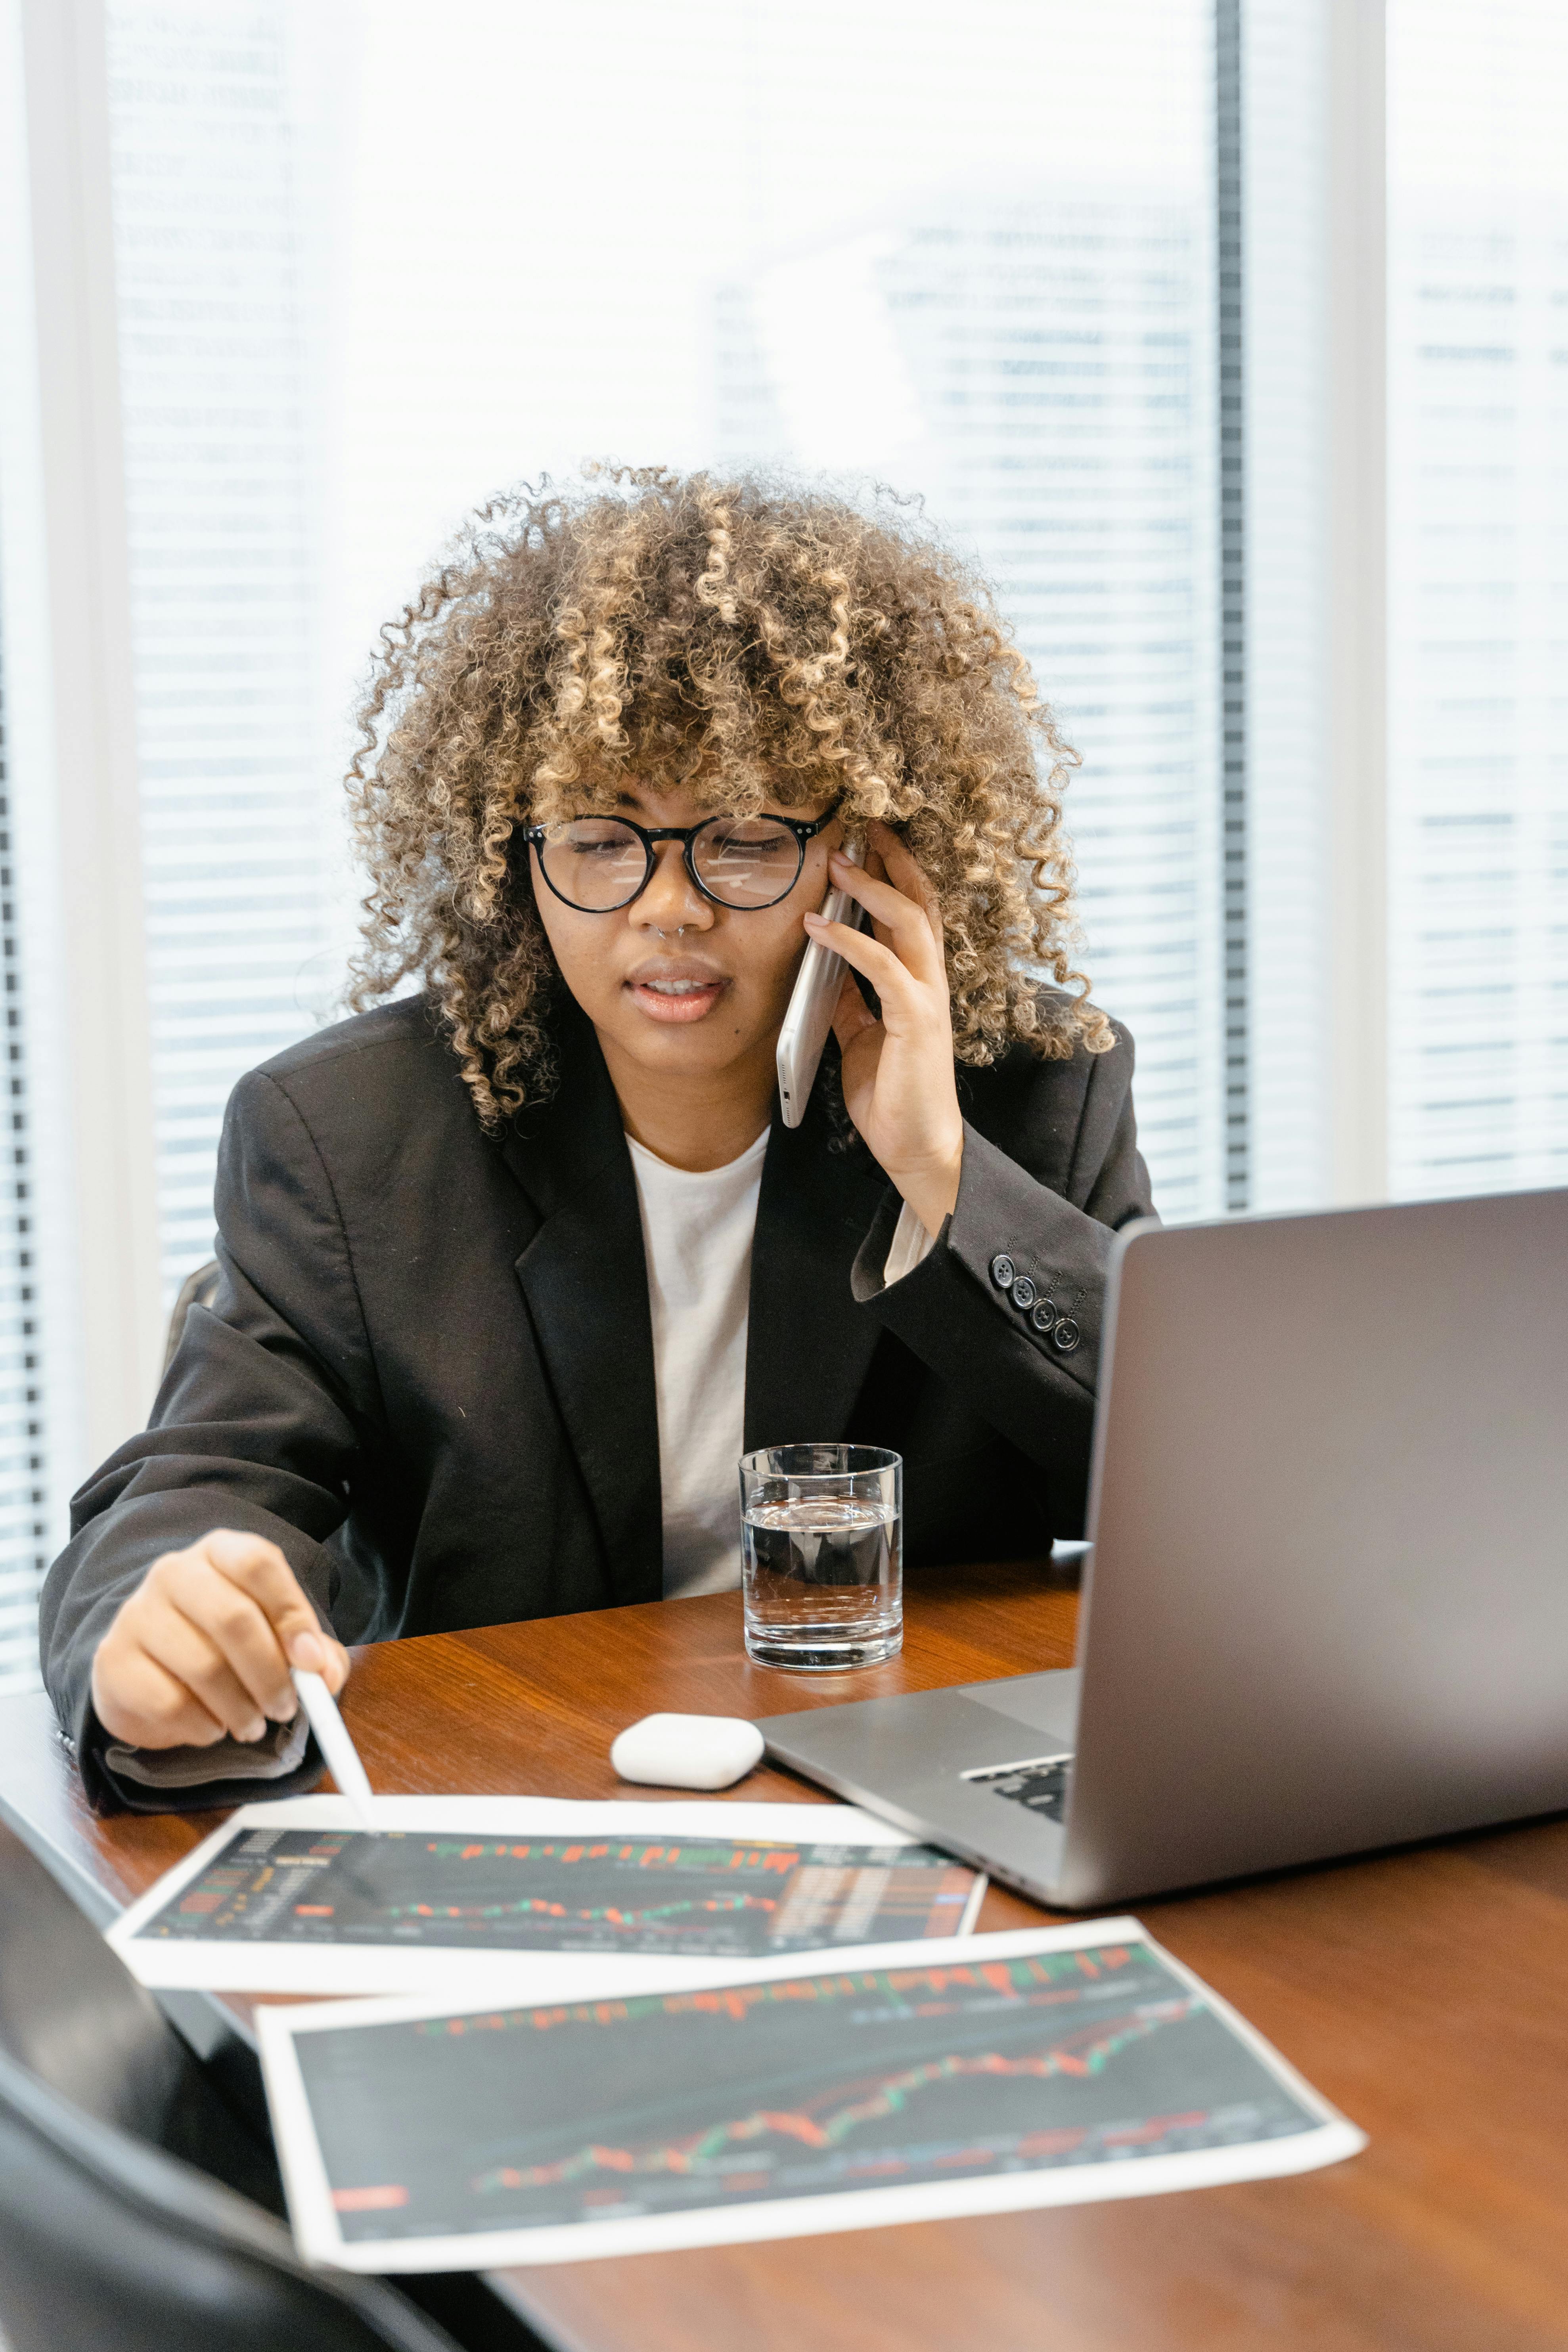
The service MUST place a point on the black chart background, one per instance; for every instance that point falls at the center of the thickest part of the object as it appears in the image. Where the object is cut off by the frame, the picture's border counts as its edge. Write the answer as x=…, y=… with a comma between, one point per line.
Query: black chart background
x=364, y=1887
x=429, y=2116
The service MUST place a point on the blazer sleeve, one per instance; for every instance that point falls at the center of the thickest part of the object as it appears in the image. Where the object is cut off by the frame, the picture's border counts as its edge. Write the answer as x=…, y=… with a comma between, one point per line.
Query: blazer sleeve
x=1032, y=1367
x=257, y=1425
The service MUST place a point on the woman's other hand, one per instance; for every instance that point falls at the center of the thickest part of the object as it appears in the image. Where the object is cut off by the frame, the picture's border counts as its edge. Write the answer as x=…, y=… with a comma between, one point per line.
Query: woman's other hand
x=898, y=1083
x=201, y=1648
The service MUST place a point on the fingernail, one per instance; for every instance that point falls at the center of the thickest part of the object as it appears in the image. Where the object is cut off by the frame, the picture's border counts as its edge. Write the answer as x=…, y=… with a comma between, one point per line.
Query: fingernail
x=254, y=1729
x=284, y=1709
x=308, y=1651
x=820, y=921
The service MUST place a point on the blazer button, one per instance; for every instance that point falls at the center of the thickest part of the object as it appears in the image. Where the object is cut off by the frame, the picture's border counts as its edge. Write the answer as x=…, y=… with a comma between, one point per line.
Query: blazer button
x=1023, y=1293
x=1045, y=1314
x=1002, y=1272
x=1065, y=1336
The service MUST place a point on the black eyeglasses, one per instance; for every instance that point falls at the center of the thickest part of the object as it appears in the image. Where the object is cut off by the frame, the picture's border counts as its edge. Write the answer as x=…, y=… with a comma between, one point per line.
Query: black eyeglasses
x=598, y=864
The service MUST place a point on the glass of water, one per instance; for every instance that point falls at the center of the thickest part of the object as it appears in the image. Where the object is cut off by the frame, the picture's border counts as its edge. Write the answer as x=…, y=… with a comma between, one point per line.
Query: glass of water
x=822, y=1542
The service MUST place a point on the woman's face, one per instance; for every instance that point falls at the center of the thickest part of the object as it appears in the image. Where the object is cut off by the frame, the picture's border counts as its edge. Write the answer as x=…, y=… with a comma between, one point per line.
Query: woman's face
x=677, y=985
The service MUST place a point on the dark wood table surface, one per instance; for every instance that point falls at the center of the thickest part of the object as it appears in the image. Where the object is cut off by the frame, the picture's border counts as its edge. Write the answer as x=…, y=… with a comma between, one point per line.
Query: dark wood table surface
x=1426, y=1993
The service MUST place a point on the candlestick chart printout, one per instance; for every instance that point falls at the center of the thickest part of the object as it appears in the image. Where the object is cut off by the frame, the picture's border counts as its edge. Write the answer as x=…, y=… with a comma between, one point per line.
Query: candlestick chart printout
x=794, y=2088
x=559, y=1893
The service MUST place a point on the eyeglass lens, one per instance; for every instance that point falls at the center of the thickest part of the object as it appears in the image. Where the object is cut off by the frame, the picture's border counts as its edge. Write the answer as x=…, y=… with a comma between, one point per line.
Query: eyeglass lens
x=598, y=864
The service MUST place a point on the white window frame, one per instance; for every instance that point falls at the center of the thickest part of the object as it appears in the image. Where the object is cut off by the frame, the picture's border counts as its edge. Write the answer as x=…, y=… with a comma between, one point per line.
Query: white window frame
x=66, y=617
x=1357, y=578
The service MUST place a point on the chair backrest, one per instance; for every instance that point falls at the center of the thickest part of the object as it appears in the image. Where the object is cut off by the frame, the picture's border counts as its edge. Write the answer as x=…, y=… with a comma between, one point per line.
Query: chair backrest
x=108, y=2243
x=198, y=1289
x=136, y=2206
x=73, y=2015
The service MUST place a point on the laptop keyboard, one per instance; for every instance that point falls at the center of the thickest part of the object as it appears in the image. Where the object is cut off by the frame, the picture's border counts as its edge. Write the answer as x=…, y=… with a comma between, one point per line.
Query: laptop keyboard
x=1040, y=1782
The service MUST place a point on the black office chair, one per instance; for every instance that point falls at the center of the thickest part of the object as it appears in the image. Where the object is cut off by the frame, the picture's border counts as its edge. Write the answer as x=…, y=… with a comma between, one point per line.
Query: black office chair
x=137, y=2202
x=198, y=1289
x=73, y=2016
x=111, y=2244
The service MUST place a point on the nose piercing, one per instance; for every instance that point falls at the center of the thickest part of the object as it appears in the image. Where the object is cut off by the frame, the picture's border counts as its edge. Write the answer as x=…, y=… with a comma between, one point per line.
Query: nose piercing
x=679, y=932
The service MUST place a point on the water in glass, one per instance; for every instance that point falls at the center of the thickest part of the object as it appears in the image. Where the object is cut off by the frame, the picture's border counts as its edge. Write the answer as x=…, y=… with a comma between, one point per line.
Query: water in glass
x=823, y=1583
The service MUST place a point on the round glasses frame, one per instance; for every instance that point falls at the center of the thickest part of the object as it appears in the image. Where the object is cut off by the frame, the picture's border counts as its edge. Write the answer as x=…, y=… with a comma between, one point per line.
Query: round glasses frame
x=537, y=837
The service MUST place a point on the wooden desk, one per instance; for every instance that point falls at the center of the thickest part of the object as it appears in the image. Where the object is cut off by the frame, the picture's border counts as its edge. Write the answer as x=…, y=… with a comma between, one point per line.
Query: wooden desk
x=1424, y=1992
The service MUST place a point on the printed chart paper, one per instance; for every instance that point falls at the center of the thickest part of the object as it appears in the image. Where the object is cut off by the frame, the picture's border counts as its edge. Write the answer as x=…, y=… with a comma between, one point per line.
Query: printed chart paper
x=980, y=2076
x=448, y=1893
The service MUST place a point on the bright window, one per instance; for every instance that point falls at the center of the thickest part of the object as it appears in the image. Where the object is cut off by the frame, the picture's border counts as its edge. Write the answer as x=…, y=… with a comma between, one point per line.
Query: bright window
x=1079, y=278
x=372, y=266
x=1478, y=329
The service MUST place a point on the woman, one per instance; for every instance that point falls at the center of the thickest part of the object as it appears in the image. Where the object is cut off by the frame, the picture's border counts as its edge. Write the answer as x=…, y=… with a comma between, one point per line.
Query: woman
x=514, y=1268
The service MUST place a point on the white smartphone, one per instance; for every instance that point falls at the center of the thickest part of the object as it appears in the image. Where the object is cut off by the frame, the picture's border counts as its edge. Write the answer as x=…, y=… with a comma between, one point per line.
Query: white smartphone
x=814, y=1003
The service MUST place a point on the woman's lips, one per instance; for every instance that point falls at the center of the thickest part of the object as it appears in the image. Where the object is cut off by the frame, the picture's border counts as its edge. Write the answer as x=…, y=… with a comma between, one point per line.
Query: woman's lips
x=675, y=1000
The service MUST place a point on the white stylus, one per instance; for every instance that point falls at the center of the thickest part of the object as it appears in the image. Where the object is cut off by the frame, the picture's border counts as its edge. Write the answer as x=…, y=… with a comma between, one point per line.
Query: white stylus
x=333, y=1739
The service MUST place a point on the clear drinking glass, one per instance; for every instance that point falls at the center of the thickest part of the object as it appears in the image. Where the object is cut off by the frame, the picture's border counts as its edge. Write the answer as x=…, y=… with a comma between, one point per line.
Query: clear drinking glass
x=821, y=1530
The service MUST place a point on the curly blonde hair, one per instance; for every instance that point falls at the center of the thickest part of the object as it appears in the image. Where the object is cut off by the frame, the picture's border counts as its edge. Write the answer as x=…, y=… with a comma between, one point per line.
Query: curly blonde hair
x=745, y=639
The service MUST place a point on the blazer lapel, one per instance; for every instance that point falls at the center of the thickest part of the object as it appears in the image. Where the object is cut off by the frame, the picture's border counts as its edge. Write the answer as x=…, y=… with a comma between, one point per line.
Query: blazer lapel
x=808, y=1344
x=585, y=1283
x=808, y=1347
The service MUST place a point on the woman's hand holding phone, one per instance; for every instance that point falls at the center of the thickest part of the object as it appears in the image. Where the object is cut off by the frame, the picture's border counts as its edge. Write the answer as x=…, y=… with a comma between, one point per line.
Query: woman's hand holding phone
x=898, y=1083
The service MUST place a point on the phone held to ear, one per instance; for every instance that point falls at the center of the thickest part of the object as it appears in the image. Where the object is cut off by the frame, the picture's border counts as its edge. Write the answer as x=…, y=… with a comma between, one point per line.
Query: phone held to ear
x=815, y=1002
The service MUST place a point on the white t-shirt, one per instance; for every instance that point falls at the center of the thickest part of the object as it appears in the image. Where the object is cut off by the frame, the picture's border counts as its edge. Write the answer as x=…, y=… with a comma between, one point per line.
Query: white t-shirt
x=697, y=1233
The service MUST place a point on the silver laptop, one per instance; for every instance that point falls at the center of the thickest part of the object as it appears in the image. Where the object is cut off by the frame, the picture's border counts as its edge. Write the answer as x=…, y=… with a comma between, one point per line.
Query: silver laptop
x=1327, y=1603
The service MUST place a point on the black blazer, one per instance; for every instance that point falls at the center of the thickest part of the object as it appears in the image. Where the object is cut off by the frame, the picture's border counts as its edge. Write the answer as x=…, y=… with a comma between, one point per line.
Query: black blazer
x=428, y=1374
